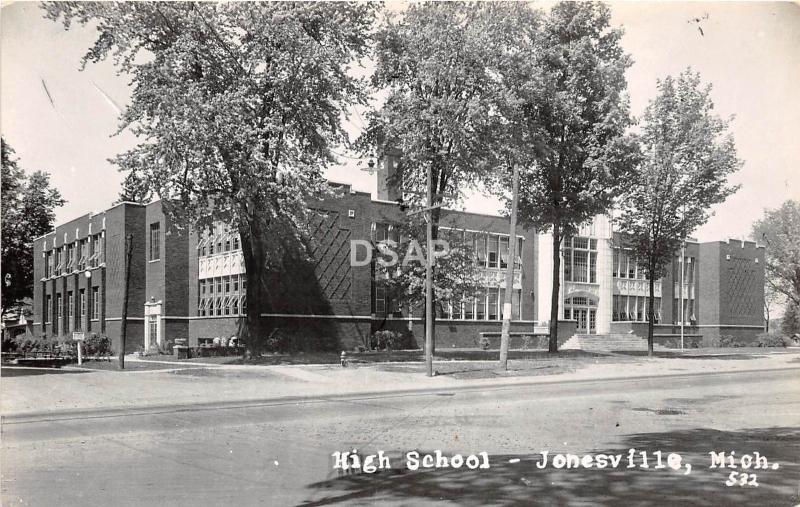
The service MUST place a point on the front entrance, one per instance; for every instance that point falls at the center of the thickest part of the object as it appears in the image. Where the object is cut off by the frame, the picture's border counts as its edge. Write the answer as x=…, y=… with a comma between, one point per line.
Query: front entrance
x=152, y=324
x=582, y=309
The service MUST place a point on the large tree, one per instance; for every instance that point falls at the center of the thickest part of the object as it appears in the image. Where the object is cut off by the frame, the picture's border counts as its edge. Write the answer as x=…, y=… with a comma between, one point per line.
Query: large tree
x=578, y=120
x=688, y=155
x=779, y=230
x=400, y=266
x=432, y=64
x=27, y=204
x=238, y=106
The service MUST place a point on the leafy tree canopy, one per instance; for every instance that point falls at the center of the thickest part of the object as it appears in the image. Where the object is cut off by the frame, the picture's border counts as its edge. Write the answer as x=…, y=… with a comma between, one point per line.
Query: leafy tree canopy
x=579, y=119
x=431, y=62
x=688, y=156
x=779, y=230
x=28, y=204
x=237, y=105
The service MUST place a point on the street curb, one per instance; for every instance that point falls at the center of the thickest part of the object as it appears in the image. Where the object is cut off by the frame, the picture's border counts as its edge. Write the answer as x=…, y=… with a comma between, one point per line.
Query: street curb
x=103, y=412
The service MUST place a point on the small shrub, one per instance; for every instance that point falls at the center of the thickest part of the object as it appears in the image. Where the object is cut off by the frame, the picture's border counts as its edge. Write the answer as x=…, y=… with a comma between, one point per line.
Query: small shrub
x=771, y=340
x=97, y=345
x=484, y=343
x=727, y=341
x=165, y=348
x=384, y=340
x=10, y=344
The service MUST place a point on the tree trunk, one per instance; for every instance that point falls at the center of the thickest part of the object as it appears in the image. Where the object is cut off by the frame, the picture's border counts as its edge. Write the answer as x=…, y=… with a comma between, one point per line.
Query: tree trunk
x=512, y=256
x=125, y=296
x=651, y=312
x=254, y=331
x=553, y=344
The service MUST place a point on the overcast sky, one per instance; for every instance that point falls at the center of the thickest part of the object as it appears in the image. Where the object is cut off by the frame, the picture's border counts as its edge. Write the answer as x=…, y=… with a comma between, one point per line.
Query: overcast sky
x=749, y=51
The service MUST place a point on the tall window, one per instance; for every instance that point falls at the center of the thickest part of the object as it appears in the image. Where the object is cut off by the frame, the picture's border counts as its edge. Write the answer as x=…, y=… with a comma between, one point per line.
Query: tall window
x=380, y=300
x=48, y=269
x=59, y=314
x=83, y=254
x=480, y=307
x=59, y=261
x=48, y=309
x=97, y=251
x=493, y=250
x=469, y=308
x=83, y=303
x=493, y=299
x=504, y=252
x=580, y=260
x=480, y=250
x=70, y=262
x=95, y=310
x=70, y=306
x=155, y=241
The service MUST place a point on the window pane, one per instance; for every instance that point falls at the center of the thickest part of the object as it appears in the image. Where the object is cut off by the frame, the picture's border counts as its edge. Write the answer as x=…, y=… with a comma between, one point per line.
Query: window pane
x=492, y=311
x=155, y=245
x=504, y=252
x=615, y=263
x=480, y=307
x=568, y=265
x=469, y=305
x=480, y=249
x=580, y=264
x=493, y=249
x=456, y=309
x=516, y=310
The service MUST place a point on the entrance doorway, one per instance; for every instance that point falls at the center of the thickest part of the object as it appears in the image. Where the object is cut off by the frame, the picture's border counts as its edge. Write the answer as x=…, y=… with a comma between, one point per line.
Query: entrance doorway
x=152, y=324
x=582, y=309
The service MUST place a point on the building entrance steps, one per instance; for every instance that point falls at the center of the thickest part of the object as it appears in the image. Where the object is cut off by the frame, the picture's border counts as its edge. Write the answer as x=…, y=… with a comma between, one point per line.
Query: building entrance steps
x=608, y=343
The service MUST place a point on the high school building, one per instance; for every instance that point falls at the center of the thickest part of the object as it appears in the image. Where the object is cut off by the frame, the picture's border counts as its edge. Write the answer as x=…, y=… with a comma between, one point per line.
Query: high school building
x=189, y=285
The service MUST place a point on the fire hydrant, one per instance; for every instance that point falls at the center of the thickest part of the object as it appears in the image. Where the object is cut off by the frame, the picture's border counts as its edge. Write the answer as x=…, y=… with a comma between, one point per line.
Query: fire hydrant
x=344, y=359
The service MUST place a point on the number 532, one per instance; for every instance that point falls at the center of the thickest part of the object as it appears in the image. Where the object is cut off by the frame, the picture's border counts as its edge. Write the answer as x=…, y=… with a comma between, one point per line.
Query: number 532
x=741, y=479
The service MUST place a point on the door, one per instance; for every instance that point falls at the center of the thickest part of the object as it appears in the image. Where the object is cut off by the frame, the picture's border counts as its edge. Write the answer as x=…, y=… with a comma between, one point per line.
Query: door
x=583, y=322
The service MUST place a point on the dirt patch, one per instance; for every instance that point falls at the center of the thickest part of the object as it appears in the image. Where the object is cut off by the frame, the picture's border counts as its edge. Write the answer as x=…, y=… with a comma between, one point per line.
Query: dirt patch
x=660, y=411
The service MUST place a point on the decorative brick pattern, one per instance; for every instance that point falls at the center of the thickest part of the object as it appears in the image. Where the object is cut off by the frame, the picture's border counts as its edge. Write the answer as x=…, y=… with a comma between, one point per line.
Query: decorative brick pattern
x=330, y=250
x=743, y=288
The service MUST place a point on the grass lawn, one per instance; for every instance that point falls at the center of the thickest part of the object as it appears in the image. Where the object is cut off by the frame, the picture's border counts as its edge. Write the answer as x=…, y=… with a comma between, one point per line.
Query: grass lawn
x=394, y=356
x=129, y=366
x=472, y=364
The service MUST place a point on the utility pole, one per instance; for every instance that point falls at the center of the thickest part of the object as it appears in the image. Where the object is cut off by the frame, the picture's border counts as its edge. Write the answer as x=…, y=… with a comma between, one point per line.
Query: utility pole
x=429, y=277
x=124, y=331
x=683, y=270
x=512, y=257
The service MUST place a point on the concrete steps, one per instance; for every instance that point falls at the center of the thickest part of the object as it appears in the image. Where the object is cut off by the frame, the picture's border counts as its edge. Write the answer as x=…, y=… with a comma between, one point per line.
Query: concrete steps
x=607, y=343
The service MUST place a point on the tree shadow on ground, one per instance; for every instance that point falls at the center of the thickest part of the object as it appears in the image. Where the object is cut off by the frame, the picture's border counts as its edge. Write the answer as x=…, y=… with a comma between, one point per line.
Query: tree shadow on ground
x=522, y=483
x=742, y=356
x=10, y=371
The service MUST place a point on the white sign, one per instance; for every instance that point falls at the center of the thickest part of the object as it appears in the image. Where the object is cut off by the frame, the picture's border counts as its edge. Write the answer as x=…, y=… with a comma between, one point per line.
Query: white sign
x=78, y=336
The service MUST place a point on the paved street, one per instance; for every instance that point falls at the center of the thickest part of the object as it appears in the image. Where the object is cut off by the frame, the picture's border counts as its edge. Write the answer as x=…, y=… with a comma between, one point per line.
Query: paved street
x=278, y=452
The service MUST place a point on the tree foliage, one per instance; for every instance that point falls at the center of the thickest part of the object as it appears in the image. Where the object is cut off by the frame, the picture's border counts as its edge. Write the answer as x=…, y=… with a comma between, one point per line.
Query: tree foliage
x=237, y=105
x=28, y=211
x=575, y=115
x=779, y=230
x=688, y=156
x=456, y=278
x=431, y=62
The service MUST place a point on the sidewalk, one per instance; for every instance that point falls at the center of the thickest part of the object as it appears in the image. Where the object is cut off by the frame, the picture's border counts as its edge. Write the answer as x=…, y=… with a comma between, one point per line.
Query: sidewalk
x=195, y=383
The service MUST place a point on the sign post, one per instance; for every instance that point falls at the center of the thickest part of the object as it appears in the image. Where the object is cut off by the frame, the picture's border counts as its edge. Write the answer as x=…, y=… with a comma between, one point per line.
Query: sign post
x=79, y=337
